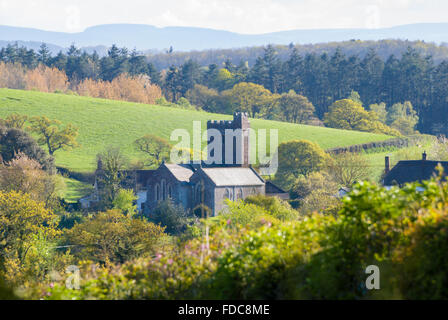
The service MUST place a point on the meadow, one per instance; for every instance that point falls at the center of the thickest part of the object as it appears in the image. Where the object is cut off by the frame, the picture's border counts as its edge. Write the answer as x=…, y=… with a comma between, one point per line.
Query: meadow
x=105, y=123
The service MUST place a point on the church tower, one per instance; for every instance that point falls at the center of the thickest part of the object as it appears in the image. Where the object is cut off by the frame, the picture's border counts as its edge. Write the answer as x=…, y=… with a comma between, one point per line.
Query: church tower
x=234, y=139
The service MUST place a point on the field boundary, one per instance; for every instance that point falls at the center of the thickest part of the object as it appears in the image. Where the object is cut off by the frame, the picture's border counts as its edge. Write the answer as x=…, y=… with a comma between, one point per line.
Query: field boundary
x=396, y=142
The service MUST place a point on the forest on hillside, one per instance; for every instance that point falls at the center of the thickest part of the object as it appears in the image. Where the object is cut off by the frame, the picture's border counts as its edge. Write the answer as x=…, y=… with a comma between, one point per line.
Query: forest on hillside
x=383, y=72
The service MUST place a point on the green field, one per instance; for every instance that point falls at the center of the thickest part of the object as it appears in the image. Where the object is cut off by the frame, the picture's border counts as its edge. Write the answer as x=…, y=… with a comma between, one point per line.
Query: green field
x=106, y=122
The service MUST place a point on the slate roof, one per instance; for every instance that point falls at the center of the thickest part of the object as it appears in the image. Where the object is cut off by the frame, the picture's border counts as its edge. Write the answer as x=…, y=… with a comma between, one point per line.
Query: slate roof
x=180, y=171
x=233, y=176
x=273, y=189
x=413, y=171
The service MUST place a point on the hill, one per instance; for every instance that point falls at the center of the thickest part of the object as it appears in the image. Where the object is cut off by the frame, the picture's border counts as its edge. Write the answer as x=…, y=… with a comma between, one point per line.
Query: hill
x=106, y=122
x=144, y=37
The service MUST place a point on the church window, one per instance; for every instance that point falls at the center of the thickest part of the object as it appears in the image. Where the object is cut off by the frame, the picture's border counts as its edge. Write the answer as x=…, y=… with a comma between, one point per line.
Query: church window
x=240, y=193
x=170, y=192
x=157, y=192
x=163, y=190
x=229, y=194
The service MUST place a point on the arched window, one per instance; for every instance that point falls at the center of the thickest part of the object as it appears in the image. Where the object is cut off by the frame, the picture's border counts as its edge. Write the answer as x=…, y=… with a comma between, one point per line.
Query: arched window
x=170, y=191
x=163, y=190
x=157, y=192
x=229, y=194
x=240, y=194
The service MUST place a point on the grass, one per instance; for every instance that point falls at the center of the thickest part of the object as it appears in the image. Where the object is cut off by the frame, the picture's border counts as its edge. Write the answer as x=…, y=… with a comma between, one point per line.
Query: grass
x=76, y=190
x=106, y=122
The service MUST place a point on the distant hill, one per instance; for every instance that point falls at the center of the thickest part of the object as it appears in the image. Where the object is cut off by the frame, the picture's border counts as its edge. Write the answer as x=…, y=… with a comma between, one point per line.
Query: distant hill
x=104, y=122
x=146, y=37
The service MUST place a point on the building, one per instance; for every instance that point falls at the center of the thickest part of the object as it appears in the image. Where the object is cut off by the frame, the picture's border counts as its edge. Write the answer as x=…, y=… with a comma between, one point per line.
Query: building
x=226, y=174
x=412, y=171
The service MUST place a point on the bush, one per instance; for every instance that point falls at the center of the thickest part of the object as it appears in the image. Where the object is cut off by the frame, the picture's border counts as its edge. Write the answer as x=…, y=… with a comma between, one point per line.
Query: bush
x=170, y=216
x=112, y=237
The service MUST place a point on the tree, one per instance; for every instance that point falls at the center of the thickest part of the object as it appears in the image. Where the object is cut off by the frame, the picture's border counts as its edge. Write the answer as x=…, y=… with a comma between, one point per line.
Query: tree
x=299, y=157
x=111, y=164
x=44, y=54
x=157, y=148
x=21, y=220
x=354, y=96
x=26, y=175
x=267, y=70
x=14, y=120
x=380, y=110
x=112, y=237
x=315, y=192
x=402, y=117
x=124, y=201
x=14, y=141
x=295, y=108
x=53, y=135
x=170, y=216
x=348, y=168
x=345, y=114
x=350, y=115
x=203, y=97
x=249, y=97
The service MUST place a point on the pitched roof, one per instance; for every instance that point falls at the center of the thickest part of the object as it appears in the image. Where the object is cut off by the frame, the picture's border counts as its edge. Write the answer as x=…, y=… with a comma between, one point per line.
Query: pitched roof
x=273, y=189
x=181, y=172
x=412, y=171
x=233, y=176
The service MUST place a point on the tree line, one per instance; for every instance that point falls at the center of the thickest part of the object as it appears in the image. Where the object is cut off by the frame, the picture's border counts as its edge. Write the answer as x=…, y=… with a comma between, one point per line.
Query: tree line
x=320, y=77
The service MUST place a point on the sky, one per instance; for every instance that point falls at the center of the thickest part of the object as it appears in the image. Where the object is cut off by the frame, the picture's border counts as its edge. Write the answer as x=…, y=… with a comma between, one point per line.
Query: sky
x=242, y=16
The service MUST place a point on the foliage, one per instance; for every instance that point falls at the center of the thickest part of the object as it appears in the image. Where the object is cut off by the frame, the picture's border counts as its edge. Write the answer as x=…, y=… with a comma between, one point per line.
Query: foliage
x=14, y=141
x=422, y=260
x=295, y=108
x=276, y=207
x=111, y=237
x=380, y=111
x=348, y=168
x=316, y=192
x=299, y=157
x=26, y=230
x=26, y=175
x=350, y=115
x=124, y=201
x=156, y=148
x=249, y=97
x=111, y=163
x=170, y=216
x=124, y=87
x=402, y=117
x=14, y=120
x=53, y=135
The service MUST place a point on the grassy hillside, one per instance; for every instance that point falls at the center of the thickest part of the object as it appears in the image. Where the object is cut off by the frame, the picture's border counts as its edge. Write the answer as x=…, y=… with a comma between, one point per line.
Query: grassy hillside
x=106, y=122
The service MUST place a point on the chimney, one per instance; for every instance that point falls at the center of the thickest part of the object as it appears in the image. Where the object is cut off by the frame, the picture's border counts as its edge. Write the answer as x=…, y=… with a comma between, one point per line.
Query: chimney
x=387, y=163
x=424, y=156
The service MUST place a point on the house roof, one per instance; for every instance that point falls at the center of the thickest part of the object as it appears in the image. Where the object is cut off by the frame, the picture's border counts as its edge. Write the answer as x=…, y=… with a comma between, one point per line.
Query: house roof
x=233, y=176
x=412, y=171
x=273, y=189
x=181, y=172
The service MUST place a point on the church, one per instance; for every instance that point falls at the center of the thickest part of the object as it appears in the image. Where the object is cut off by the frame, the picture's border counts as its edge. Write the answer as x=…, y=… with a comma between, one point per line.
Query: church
x=209, y=184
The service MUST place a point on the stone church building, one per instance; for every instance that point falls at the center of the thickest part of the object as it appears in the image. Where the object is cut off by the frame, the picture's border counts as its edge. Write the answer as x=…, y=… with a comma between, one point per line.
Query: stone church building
x=210, y=183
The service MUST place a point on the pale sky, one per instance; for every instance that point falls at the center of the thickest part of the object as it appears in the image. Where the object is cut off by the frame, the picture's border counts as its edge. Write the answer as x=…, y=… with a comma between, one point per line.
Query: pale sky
x=243, y=16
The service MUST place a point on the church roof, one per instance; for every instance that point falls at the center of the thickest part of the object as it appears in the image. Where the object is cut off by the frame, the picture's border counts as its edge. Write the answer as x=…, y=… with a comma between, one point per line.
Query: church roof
x=181, y=172
x=233, y=176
